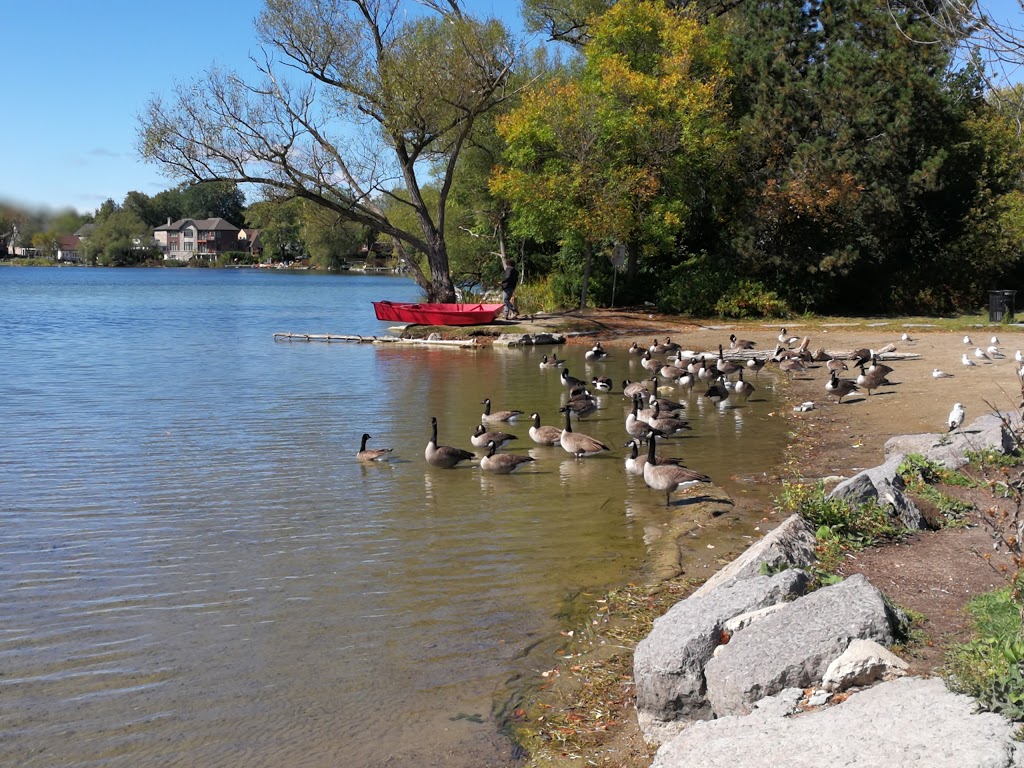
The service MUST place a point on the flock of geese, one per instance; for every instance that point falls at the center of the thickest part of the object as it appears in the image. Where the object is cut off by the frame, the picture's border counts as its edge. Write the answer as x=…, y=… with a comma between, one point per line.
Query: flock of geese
x=652, y=418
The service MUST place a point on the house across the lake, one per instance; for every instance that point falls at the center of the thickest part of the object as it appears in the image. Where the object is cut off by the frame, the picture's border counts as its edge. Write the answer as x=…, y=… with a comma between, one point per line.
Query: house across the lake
x=203, y=239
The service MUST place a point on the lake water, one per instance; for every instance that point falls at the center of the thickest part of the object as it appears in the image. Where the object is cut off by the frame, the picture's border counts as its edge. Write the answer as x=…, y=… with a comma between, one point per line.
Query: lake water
x=195, y=571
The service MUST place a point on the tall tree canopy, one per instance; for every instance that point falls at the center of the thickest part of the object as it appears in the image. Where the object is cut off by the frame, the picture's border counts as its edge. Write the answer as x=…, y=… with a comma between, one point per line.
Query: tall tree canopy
x=387, y=93
x=616, y=153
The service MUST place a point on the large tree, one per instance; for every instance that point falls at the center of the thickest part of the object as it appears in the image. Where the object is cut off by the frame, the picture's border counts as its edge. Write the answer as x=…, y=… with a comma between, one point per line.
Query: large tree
x=386, y=94
x=619, y=153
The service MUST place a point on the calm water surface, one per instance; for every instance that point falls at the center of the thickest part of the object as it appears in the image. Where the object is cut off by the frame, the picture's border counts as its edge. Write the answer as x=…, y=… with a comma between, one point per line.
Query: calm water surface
x=195, y=571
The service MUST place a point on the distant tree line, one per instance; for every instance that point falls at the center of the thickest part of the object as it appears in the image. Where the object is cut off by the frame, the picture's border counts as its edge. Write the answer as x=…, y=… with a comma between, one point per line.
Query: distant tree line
x=712, y=156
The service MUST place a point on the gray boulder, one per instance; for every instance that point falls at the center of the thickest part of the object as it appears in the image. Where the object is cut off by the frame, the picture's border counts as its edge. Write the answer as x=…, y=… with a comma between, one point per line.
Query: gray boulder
x=910, y=723
x=863, y=663
x=884, y=485
x=668, y=665
x=949, y=449
x=793, y=647
x=792, y=543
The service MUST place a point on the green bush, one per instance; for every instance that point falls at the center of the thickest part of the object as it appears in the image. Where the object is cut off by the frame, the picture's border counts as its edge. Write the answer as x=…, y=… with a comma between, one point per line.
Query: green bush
x=750, y=298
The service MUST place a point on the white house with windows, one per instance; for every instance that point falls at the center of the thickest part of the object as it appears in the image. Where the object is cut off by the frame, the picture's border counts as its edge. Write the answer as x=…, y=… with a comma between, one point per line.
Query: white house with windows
x=188, y=239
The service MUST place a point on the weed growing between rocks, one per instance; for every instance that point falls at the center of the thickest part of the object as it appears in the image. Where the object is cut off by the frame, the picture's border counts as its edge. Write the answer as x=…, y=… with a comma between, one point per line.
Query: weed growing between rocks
x=922, y=475
x=841, y=527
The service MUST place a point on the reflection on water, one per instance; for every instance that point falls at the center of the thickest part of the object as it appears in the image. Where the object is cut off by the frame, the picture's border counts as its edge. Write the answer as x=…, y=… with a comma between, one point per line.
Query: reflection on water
x=195, y=570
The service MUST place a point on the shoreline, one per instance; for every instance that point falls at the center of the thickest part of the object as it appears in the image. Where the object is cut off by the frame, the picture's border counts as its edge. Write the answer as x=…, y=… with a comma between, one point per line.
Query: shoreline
x=830, y=442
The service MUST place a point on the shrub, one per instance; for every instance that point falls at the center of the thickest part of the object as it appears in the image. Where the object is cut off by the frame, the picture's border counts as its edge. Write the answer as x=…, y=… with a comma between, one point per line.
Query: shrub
x=750, y=298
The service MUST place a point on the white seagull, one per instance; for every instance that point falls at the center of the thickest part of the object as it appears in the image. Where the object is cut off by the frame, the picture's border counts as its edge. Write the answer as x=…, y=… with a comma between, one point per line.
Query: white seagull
x=966, y=360
x=906, y=337
x=937, y=374
x=1019, y=357
x=956, y=417
x=981, y=355
x=995, y=341
x=995, y=353
x=967, y=340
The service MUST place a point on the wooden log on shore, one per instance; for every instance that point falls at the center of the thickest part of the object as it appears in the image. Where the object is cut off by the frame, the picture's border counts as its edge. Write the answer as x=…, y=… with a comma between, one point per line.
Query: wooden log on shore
x=331, y=337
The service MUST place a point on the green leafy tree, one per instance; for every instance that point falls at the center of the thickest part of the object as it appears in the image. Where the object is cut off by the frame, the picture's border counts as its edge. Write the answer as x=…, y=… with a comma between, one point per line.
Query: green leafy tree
x=214, y=200
x=281, y=224
x=853, y=148
x=330, y=240
x=384, y=96
x=121, y=239
x=611, y=155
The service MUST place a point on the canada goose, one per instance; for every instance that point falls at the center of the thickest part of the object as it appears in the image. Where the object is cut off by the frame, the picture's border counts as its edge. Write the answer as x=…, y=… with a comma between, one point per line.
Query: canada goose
x=725, y=367
x=879, y=369
x=578, y=391
x=602, y=383
x=667, y=425
x=791, y=365
x=553, y=362
x=743, y=389
x=956, y=417
x=755, y=364
x=669, y=477
x=576, y=443
x=543, y=435
x=482, y=436
x=501, y=463
x=686, y=381
x=444, y=456
x=717, y=392
x=869, y=381
x=670, y=406
x=671, y=372
x=840, y=387
x=820, y=355
x=704, y=373
x=636, y=349
x=735, y=343
x=862, y=356
x=582, y=405
x=937, y=374
x=650, y=363
x=836, y=366
x=630, y=388
x=635, y=462
x=596, y=352
x=967, y=361
x=786, y=340
x=372, y=454
x=571, y=381
x=635, y=426
x=670, y=346
x=498, y=415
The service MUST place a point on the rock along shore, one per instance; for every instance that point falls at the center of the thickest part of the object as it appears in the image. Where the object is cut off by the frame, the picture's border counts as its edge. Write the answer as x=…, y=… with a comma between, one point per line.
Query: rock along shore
x=753, y=670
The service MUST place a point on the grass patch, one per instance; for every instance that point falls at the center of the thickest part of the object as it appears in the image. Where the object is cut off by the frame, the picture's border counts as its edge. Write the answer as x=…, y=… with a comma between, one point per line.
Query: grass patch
x=922, y=475
x=990, y=458
x=991, y=666
x=841, y=527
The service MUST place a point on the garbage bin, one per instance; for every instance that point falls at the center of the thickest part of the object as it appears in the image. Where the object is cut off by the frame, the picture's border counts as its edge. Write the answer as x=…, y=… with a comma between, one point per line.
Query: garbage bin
x=1000, y=306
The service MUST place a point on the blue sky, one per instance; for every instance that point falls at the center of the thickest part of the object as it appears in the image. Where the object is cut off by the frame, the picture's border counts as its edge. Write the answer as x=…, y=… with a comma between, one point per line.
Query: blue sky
x=76, y=75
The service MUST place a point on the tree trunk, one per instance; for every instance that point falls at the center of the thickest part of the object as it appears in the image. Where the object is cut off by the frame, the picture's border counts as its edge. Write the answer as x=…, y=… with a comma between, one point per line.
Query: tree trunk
x=588, y=250
x=632, y=260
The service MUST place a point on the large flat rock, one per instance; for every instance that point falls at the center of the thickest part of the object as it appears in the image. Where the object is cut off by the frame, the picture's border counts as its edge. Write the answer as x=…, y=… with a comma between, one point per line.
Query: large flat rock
x=793, y=647
x=907, y=723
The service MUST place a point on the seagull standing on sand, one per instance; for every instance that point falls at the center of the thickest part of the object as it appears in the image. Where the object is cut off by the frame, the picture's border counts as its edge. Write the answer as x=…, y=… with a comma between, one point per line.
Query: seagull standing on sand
x=981, y=355
x=967, y=340
x=906, y=337
x=956, y=417
x=966, y=360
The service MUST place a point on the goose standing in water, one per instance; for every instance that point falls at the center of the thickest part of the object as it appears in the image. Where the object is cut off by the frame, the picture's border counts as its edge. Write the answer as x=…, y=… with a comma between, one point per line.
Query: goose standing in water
x=743, y=389
x=635, y=462
x=571, y=381
x=576, y=443
x=372, y=454
x=502, y=463
x=498, y=415
x=669, y=477
x=482, y=436
x=444, y=456
x=666, y=425
x=755, y=364
x=725, y=367
x=543, y=435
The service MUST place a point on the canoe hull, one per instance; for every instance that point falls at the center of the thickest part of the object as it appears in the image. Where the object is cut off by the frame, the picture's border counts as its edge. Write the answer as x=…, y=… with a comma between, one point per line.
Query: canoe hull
x=436, y=314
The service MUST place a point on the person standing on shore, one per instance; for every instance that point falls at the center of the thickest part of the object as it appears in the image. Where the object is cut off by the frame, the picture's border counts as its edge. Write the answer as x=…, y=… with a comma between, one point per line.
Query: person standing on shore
x=509, y=281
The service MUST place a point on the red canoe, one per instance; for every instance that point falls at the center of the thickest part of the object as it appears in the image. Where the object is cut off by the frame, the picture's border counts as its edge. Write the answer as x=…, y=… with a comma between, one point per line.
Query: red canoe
x=436, y=314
